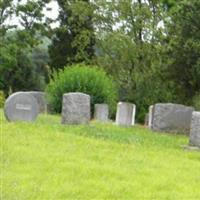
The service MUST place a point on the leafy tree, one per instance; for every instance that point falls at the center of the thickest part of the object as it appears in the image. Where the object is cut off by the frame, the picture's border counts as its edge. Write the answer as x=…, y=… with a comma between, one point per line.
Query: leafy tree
x=184, y=49
x=19, y=70
x=133, y=53
x=6, y=10
x=22, y=69
x=74, y=40
x=33, y=22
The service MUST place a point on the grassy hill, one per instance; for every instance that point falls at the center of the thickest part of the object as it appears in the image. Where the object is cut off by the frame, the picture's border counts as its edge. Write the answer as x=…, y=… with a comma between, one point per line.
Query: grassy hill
x=46, y=160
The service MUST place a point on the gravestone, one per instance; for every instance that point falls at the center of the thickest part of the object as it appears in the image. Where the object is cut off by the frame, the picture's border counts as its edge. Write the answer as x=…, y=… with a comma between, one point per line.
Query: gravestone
x=195, y=129
x=146, y=120
x=125, y=114
x=41, y=100
x=101, y=112
x=169, y=117
x=75, y=108
x=21, y=106
x=150, y=116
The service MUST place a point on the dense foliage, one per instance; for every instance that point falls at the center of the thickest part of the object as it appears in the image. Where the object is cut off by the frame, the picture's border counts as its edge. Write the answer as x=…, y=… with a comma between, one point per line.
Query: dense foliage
x=2, y=99
x=23, y=58
x=79, y=78
x=184, y=49
x=73, y=41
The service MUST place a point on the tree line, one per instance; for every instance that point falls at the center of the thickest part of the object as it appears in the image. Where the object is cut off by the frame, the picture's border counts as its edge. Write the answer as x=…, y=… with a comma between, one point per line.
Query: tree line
x=150, y=47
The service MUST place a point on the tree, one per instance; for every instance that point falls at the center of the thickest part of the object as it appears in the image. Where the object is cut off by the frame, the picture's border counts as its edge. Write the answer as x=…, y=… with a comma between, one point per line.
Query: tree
x=6, y=10
x=74, y=40
x=22, y=68
x=17, y=65
x=184, y=49
x=132, y=51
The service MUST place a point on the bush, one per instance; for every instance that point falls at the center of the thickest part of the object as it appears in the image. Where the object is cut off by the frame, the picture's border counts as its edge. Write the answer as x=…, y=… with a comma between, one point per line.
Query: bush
x=2, y=99
x=79, y=78
x=196, y=101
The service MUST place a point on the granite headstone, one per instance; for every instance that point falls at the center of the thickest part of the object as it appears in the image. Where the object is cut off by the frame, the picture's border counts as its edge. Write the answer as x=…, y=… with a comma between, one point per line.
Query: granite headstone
x=101, y=112
x=75, y=108
x=125, y=114
x=21, y=106
x=195, y=129
x=41, y=100
x=169, y=117
x=150, y=116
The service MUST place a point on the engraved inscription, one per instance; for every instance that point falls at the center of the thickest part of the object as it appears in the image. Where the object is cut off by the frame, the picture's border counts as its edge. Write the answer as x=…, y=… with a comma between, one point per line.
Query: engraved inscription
x=23, y=106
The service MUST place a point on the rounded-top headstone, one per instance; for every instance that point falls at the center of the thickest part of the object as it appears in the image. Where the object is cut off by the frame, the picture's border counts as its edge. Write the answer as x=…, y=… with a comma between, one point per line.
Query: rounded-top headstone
x=21, y=106
x=75, y=108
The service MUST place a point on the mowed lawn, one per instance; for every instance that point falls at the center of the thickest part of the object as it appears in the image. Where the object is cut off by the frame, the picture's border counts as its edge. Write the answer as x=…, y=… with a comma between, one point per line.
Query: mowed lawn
x=49, y=161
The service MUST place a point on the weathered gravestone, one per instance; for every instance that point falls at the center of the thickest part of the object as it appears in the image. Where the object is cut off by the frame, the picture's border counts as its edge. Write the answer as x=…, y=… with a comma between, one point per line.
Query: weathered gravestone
x=21, y=106
x=125, y=114
x=173, y=118
x=41, y=100
x=195, y=129
x=150, y=116
x=146, y=120
x=75, y=108
x=101, y=112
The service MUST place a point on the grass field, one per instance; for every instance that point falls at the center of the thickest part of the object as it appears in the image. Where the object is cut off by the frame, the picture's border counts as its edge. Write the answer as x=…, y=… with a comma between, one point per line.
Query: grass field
x=49, y=161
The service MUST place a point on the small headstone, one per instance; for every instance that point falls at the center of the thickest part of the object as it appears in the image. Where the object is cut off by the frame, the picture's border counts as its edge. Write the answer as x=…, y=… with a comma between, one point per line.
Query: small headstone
x=173, y=118
x=101, y=112
x=75, y=108
x=21, y=106
x=150, y=116
x=125, y=114
x=195, y=129
x=41, y=100
x=146, y=120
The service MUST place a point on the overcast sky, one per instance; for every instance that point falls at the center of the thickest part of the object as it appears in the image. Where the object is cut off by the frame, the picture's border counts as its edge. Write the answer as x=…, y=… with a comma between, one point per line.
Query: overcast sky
x=53, y=13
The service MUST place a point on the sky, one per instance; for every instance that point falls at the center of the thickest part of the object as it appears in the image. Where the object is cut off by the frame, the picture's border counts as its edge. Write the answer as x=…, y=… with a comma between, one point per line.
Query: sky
x=53, y=13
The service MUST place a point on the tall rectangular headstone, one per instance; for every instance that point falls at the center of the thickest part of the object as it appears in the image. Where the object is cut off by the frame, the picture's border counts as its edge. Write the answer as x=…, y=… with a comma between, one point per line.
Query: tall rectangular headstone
x=101, y=112
x=146, y=119
x=169, y=117
x=150, y=116
x=75, y=108
x=195, y=129
x=125, y=114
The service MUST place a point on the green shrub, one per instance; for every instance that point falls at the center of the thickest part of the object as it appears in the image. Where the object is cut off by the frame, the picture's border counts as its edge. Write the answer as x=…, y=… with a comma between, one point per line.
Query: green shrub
x=2, y=99
x=196, y=101
x=79, y=78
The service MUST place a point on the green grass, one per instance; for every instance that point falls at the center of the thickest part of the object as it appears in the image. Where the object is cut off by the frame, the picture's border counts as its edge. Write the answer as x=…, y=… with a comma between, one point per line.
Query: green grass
x=46, y=160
